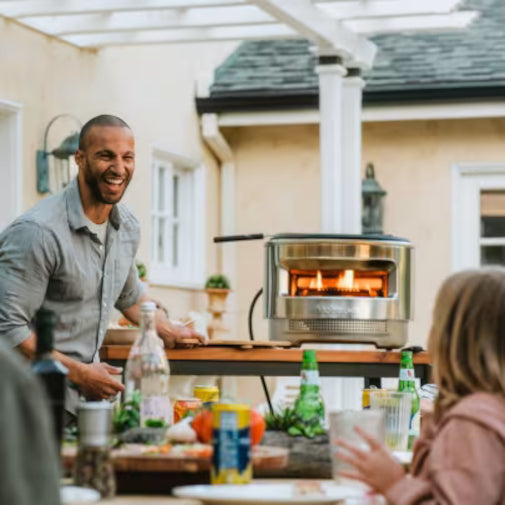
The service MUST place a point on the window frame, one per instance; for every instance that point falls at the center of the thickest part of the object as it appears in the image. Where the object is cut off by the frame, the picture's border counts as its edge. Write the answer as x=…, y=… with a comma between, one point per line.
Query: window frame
x=191, y=221
x=468, y=180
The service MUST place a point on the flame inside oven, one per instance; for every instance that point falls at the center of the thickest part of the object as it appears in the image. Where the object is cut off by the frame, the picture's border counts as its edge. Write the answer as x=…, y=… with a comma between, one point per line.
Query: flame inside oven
x=364, y=283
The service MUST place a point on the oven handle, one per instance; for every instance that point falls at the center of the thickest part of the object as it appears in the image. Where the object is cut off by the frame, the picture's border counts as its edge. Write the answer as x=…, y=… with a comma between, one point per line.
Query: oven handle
x=235, y=238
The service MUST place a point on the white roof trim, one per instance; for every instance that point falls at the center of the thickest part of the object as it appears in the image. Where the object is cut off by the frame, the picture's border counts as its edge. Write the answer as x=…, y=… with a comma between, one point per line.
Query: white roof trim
x=370, y=114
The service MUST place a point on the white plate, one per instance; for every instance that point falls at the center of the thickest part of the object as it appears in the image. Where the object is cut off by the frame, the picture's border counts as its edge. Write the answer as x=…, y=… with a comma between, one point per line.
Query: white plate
x=77, y=495
x=264, y=493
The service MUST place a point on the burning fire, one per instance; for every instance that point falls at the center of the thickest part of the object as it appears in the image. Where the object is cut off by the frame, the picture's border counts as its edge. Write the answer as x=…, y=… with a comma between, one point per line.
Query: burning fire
x=339, y=283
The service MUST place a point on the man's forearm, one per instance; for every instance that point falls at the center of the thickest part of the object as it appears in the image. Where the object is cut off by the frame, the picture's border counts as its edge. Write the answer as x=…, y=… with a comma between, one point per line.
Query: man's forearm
x=28, y=346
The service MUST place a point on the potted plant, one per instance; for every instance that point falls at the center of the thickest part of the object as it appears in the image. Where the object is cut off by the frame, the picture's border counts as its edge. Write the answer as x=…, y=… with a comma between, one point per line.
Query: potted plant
x=217, y=287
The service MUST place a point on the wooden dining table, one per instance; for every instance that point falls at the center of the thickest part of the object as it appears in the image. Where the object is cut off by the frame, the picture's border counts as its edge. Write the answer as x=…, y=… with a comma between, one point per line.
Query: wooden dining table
x=236, y=361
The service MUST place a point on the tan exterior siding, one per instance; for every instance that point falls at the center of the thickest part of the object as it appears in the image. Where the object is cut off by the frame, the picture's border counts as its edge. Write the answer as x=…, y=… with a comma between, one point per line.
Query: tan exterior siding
x=278, y=187
x=151, y=87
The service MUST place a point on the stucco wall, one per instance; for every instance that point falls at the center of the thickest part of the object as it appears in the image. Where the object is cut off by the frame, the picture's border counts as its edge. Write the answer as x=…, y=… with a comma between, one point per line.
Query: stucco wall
x=278, y=187
x=151, y=87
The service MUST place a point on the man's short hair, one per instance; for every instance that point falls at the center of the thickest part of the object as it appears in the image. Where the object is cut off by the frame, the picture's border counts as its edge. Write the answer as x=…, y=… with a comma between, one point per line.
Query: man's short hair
x=102, y=120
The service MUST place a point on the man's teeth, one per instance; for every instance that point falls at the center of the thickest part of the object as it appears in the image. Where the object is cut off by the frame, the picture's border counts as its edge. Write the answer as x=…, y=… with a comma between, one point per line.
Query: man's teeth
x=116, y=182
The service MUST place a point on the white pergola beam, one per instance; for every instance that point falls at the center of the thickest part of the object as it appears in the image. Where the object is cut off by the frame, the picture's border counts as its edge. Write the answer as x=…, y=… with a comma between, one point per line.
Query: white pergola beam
x=353, y=9
x=441, y=22
x=30, y=8
x=225, y=33
x=151, y=20
x=309, y=21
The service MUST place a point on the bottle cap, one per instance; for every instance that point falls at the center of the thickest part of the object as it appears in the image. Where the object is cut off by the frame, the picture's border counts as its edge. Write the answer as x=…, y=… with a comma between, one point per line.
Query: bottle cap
x=147, y=306
x=94, y=423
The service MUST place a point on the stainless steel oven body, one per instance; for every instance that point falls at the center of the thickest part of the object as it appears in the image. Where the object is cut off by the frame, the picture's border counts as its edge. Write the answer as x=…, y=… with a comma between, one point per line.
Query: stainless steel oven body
x=338, y=288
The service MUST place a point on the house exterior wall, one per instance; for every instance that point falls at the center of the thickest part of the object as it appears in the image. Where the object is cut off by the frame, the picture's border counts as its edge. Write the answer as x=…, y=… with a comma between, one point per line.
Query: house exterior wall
x=278, y=186
x=151, y=87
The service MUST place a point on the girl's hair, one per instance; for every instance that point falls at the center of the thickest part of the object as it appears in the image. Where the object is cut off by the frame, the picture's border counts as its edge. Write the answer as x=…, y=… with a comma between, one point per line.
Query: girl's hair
x=467, y=340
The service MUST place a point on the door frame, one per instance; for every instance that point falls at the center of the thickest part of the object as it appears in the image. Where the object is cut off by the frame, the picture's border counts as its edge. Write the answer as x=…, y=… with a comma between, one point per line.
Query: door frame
x=13, y=115
x=468, y=179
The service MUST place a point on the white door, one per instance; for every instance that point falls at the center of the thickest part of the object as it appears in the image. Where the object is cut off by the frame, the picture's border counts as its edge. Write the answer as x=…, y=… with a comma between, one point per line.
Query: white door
x=478, y=220
x=10, y=162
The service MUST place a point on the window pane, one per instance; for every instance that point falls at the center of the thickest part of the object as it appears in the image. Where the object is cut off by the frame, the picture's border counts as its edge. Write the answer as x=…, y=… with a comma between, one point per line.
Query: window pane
x=176, y=196
x=161, y=240
x=492, y=226
x=175, y=244
x=161, y=188
x=492, y=255
x=492, y=212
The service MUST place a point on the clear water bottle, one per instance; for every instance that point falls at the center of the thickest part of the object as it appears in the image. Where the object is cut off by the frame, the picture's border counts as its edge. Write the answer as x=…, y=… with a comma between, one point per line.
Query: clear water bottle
x=148, y=372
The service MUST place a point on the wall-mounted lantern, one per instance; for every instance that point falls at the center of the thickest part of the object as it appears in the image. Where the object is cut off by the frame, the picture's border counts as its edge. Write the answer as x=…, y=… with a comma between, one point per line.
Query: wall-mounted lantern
x=57, y=175
x=373, y=203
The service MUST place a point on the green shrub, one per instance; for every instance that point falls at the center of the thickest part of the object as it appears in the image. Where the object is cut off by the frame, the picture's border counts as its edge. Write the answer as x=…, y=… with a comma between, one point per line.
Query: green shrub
x=217, y=281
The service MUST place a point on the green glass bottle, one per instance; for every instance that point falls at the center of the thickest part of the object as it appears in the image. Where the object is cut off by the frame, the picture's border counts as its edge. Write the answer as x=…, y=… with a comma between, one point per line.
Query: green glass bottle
x=309, y=406
x=50, y=371
x=407, y=383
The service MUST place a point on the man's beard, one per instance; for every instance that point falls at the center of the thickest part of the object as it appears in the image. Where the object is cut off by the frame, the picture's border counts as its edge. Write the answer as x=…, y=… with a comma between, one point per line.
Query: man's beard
x=92, y=182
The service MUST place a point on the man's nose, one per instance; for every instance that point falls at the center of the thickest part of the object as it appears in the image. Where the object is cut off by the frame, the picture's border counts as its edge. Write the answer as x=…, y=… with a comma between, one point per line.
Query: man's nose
x=118, y=166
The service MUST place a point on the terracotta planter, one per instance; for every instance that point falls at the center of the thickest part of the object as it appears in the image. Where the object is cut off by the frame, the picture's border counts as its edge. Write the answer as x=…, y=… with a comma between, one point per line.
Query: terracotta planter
x=217, y=299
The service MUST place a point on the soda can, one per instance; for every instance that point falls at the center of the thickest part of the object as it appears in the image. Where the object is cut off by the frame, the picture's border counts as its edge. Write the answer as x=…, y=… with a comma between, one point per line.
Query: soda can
x=365, y=396
x=231, y=459
x=206, y=393
x=185, y=406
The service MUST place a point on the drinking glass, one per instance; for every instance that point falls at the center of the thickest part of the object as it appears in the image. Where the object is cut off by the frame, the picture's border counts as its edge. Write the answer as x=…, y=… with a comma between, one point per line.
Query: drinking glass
x=342, y=424
x=396, y=407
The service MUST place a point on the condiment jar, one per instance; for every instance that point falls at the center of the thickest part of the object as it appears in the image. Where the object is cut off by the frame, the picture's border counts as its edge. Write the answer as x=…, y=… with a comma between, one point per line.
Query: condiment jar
x=93, y=465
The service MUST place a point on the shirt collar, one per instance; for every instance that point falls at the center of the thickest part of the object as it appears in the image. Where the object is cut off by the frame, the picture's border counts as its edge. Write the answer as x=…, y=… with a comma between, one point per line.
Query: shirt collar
x=76, y=216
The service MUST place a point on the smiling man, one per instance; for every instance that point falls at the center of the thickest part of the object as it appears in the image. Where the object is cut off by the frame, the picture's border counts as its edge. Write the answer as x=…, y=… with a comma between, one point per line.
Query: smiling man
x=74, y=253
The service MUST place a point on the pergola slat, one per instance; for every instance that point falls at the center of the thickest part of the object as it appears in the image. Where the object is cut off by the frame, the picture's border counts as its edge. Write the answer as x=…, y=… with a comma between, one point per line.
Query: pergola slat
x=30, y=8
x=454, y=21
x=351, y=9
x=151, y=20
x=272, y=31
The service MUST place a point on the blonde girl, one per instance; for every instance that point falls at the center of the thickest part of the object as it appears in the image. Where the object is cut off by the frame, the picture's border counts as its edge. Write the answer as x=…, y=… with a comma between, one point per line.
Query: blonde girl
x=460, y=456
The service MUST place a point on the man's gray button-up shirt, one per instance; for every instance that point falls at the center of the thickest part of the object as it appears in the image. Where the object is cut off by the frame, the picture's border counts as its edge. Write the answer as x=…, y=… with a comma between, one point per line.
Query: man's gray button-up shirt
x=49, y=258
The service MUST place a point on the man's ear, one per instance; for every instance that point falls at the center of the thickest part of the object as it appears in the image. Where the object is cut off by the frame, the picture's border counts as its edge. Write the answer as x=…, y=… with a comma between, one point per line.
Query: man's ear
x=79, y=158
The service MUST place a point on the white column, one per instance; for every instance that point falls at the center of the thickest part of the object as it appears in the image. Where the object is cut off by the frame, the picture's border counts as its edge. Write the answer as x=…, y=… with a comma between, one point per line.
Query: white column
x=340, y=150
x=352, y=92
x=330, y=73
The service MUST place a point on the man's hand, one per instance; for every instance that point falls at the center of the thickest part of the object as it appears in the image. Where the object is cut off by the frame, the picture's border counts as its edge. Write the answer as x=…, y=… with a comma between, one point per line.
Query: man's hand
x=96, y=381
x=172, y=334
x=178, y=335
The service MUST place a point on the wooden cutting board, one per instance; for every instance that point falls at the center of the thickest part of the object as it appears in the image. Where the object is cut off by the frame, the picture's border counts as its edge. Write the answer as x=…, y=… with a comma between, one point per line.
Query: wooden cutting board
x=249, y=344
x=131, y=458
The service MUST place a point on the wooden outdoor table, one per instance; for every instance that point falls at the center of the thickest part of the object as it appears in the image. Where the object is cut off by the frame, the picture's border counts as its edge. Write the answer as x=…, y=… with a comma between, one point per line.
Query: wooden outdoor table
x=370, y=364
x=140, y=472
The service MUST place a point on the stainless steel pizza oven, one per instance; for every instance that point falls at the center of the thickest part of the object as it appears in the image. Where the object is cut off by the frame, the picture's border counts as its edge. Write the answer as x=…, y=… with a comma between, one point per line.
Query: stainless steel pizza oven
x=338, y=288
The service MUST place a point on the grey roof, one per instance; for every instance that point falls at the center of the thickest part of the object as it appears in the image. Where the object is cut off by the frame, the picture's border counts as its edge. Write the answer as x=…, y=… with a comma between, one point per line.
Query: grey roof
x=469, y=58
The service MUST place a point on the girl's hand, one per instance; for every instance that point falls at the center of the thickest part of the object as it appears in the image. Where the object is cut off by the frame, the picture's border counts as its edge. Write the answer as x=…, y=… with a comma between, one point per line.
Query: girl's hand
x=377, y=468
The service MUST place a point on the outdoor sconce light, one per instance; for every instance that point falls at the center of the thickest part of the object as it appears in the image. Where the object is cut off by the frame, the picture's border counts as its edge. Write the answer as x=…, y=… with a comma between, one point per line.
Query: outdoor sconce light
x=61, y=156
x=372, y=196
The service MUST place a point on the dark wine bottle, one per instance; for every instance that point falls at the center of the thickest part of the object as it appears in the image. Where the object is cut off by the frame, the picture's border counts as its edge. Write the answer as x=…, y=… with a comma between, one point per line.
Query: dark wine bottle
x=49, y=370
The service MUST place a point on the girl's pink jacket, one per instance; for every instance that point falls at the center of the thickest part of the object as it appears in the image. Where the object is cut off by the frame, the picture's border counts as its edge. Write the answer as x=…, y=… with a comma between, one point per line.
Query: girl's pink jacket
x=461, y=459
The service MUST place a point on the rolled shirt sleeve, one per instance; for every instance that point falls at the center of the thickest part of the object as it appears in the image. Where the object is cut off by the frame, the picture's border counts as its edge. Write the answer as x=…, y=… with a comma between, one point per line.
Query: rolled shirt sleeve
x=132, y=291
x=28, y=255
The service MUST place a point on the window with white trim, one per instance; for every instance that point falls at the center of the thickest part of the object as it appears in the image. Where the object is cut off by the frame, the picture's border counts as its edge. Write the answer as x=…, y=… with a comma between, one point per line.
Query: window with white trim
x=177, y=221
x=478, y=215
